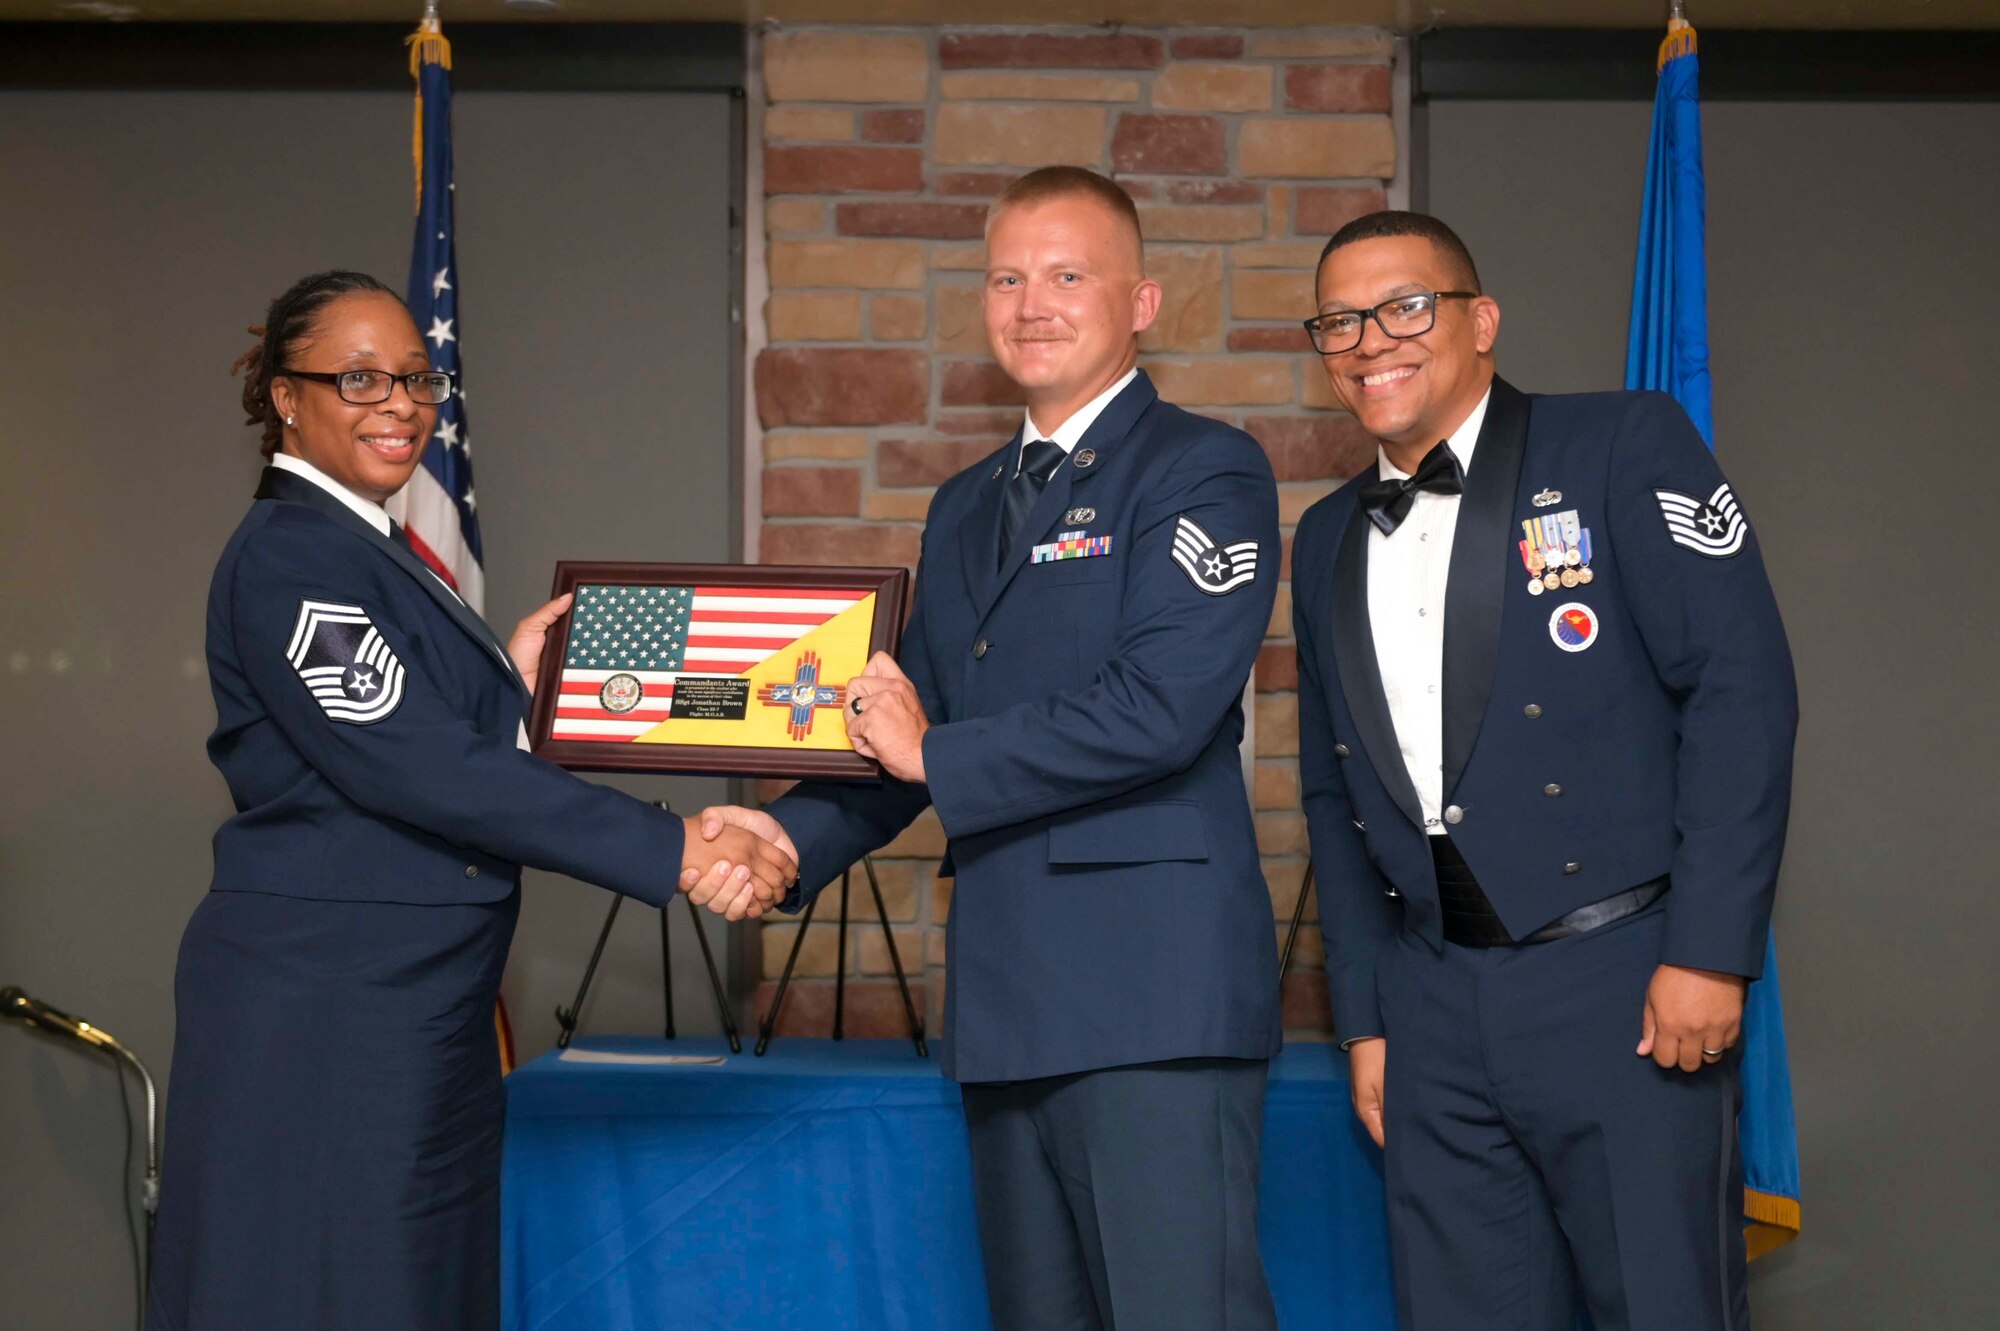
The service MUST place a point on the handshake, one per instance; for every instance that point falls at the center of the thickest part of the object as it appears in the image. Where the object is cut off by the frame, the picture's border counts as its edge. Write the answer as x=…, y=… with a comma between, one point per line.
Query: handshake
x=738, y=862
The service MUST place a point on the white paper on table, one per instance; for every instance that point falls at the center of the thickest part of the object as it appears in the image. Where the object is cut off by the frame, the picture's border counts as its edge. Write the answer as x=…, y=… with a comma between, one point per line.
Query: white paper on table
x=613, y=1057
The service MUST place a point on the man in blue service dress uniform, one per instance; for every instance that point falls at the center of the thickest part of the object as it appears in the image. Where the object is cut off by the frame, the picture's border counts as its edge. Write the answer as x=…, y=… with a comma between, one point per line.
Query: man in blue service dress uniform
x=1089, y=604
x=1546, y=712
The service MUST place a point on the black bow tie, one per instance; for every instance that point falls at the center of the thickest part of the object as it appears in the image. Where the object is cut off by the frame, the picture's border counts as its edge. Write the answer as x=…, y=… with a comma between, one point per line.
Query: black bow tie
x=1388, y=502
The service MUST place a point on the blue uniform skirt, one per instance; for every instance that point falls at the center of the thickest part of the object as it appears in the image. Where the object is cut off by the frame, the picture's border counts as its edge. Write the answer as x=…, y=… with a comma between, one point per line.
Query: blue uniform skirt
x=332, y=1157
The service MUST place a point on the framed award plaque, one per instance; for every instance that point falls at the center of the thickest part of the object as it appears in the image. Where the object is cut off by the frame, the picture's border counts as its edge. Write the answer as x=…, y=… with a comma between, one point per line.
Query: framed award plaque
x=720, y=669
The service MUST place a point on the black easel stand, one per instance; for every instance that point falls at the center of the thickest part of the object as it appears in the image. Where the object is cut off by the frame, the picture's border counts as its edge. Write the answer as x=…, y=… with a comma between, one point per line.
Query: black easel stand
x=1298, y=915
x=567, y=1017
x=769, y=1025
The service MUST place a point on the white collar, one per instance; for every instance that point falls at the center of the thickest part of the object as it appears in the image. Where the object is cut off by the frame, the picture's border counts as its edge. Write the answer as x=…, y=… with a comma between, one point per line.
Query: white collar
x=1072, y=430
x=1463, y=440
x=372, y=514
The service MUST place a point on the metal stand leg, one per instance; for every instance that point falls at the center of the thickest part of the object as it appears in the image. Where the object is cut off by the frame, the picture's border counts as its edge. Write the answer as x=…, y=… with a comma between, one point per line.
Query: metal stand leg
x=770, y=1022
x=840, y=963
x=769, y=1025
x=896, y=961
x=714, y=976
x=1298, y=915
x=567, y=1017
x=667, y=972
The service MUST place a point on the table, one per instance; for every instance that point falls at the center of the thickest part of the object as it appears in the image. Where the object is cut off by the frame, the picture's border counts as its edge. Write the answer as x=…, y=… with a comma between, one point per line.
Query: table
x=825, y=1187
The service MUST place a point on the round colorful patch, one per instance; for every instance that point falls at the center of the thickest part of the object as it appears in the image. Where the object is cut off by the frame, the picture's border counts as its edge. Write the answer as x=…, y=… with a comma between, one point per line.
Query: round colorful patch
x=1573, y=626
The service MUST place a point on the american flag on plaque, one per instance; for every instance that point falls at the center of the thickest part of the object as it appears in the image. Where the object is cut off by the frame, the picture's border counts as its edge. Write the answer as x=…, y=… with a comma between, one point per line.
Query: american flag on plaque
x=738, y=666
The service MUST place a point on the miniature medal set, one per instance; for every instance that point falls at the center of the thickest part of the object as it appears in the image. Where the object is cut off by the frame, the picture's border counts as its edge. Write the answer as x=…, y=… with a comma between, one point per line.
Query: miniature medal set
x=1556, y=552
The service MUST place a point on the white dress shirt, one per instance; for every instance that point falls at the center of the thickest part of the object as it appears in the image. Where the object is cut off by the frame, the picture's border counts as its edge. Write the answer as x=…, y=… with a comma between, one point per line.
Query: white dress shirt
x=1407, y=572
x=1070, y=431
x=372, y=514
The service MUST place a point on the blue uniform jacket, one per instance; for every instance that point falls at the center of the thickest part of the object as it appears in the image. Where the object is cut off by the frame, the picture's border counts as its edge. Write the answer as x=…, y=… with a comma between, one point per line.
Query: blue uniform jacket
x=1596, y=737
x=1086, y=712
x=367, y=725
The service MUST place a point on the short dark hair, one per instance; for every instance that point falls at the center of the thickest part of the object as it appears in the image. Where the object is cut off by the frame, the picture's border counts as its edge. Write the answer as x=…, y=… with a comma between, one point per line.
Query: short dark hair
x=289, y=321
x=1065, y=182
x=1390, y=222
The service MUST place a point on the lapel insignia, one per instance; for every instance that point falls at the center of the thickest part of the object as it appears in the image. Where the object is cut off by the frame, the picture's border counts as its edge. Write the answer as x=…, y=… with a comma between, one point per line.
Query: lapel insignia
x=1078, y=517
x=1215, y=569
x=344, y=663
x=1714, y=527
x=1085, y=457
x=1548, y=499
x=997, y=469
x=1556, y=552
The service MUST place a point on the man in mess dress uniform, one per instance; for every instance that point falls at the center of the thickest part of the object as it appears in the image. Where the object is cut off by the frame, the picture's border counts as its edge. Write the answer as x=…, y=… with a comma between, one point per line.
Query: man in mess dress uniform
x=1546, y=711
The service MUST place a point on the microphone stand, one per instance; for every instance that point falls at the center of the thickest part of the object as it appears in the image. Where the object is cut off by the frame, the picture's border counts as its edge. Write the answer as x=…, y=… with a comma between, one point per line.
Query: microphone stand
x=149, y=1187
x=14, y=1003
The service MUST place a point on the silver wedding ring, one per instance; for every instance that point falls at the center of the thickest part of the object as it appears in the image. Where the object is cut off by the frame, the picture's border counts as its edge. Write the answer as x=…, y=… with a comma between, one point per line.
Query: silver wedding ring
x=1712, y=1053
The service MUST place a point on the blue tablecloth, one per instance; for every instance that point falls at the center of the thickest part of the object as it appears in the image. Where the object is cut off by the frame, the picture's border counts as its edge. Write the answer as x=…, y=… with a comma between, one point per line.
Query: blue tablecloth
x=826, y=1187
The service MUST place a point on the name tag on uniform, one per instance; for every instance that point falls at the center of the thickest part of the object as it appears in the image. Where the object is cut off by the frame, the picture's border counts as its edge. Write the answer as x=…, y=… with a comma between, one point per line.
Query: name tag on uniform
x=1070, y=545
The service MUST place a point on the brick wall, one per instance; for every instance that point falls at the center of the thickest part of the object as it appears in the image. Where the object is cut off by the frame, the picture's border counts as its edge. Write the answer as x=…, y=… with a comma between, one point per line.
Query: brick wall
x=881, y=147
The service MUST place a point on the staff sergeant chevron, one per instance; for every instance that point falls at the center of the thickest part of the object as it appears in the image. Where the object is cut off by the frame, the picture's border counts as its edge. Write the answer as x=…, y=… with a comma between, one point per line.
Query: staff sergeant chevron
x=1215, y=569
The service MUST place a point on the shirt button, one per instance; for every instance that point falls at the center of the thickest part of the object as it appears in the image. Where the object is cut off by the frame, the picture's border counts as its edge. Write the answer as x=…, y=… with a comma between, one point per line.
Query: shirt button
x=1454, y=815
x=1552, y=789
x=472, y=871
x=1532, y=710
x=1423, y=536
x=1422, y=611
x=979, y=650
x=1433, y=688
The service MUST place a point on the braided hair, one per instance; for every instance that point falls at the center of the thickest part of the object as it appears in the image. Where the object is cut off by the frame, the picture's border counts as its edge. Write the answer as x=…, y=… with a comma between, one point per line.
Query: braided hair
x=288, y=322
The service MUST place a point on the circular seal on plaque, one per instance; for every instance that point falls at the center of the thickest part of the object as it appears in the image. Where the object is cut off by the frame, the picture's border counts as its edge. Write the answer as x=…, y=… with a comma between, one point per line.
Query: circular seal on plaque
x=621, y=693
x=1573, y=626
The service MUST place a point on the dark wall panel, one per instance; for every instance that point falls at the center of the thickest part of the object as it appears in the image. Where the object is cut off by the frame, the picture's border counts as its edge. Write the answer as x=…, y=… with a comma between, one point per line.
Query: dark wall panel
x=1851, y=273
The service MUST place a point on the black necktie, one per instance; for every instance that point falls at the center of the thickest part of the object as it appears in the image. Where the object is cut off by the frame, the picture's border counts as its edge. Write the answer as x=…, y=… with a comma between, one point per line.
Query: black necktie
x=1388, y=502
x=1039, y=460
x=400, y=537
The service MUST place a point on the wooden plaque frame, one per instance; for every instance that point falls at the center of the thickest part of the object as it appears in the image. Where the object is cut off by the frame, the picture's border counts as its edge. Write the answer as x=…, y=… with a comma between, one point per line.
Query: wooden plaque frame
x=890, y=585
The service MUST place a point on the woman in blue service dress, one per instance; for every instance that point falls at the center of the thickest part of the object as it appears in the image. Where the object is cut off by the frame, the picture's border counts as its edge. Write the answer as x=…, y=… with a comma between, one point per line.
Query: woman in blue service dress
x=333, y=1134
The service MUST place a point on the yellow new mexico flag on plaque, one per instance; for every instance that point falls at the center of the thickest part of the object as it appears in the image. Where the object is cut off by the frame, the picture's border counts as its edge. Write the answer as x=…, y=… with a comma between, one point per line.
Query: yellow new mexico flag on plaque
x=796, y=694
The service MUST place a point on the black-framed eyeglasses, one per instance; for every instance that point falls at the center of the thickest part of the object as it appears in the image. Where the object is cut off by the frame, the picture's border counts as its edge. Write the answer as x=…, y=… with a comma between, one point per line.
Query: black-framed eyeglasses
x=1410, y=315
x=365, y=388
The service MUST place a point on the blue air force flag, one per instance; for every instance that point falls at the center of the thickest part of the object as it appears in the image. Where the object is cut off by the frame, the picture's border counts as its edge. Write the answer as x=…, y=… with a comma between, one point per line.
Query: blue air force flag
x=1667, y=349
x=1214, y=568
x=351, y=672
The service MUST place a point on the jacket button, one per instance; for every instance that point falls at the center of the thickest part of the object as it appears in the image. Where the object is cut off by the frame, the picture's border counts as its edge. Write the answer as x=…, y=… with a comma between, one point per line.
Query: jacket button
x=1453, y=814
x=1532, y=710
x=1552, y=789
x=1341, y=751
x=472, y=871
x=979, y=650
x=1572, y=867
